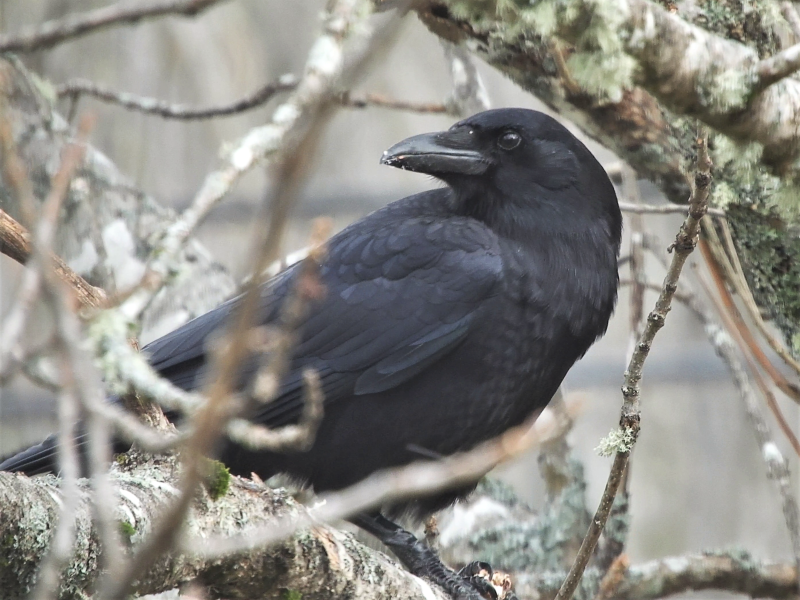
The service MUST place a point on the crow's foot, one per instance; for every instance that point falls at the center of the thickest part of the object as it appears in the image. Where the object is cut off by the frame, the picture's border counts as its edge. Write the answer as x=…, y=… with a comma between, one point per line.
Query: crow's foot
x=476, y=581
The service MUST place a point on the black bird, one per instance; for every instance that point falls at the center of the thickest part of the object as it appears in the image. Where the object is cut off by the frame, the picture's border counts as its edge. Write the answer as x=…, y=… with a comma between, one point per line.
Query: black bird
x=450, y=316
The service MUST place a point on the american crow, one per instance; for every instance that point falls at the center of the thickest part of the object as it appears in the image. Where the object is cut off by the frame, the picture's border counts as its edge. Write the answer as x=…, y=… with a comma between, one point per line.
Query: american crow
x=450, y=316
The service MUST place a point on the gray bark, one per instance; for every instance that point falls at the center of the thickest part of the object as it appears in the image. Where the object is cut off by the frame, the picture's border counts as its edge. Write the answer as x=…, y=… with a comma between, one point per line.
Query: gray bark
x=319, y=563
x=108, y=227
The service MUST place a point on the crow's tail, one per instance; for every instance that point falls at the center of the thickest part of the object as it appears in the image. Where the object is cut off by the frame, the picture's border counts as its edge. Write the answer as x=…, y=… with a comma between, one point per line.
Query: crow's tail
x=41, y=458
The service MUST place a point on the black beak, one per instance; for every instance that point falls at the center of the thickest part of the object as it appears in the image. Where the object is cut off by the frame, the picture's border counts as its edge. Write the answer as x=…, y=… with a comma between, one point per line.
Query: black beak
x=439, y=154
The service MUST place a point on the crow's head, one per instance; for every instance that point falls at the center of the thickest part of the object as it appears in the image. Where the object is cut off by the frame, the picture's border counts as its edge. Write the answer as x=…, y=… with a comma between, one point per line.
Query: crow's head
x=513, y=163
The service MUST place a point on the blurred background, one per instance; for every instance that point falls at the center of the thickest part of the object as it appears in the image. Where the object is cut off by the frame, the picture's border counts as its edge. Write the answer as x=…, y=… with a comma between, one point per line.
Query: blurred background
x=697, y=479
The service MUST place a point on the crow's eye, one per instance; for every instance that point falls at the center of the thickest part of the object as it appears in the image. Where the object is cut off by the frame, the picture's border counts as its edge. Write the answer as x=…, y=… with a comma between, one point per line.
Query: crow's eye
x=509, y=140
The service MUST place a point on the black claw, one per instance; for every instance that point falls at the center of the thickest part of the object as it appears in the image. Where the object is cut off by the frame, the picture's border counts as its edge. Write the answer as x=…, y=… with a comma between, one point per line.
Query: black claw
x=479, y=575
x=476, y=567
x=473, y=582
x=483, y=586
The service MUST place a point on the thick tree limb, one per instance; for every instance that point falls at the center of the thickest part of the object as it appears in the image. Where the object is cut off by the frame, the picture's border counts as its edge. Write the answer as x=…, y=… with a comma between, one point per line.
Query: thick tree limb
x=313, y=563
x=15, y=243
x=692, y=71
x=316, y=563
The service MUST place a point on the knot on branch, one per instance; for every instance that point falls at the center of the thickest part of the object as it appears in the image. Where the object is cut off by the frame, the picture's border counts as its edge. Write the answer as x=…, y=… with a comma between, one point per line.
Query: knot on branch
x=630, y=391
x=702, y=179
x=683, y=243
x=631, y=421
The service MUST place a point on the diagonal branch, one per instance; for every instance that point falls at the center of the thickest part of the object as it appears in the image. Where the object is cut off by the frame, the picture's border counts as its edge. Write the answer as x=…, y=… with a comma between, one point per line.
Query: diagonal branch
x=51, y=33
x=15, y=243
x=621, y=442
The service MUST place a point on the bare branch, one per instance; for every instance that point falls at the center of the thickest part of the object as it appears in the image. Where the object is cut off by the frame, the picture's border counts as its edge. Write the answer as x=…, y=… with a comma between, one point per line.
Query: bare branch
x=711, y=571
x=288, y=437
x=353, y=100
x=299, y=135
x=76, y=88
x=15, y=243
x=720, y=266
x=51, y=33
x=663, y=209
x=629, y=421
x=47, y=581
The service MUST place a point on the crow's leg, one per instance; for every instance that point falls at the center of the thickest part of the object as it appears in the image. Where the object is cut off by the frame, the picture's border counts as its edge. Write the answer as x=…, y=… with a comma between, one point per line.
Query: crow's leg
x=418, y=558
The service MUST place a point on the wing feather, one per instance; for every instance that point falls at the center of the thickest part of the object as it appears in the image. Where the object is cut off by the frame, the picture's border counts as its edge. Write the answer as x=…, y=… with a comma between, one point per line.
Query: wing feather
x=402, y=292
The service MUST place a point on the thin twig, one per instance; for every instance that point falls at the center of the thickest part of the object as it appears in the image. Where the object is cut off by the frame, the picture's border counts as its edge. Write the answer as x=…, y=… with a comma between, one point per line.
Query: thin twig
x=733, y=322
x=259, y=144
x=717, y=262
x=742, y=288
x=663, y=209
x=76, y=88
x=777, y=467
x=307, y=288
x=353, y=100
x=654, y=287
x=90, y=392
x=79, y=379
x=611, y=547
x=288, y=437
x=316, y=91
x=51, y=33
x=266, y=384
x=17, y=241
x=630, y=415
